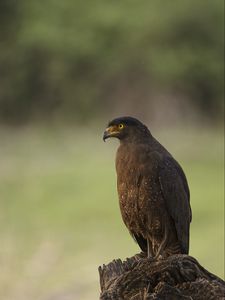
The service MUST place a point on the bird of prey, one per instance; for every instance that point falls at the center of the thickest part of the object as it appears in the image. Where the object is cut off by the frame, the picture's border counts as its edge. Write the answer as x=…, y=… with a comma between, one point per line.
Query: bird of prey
x=153, y=190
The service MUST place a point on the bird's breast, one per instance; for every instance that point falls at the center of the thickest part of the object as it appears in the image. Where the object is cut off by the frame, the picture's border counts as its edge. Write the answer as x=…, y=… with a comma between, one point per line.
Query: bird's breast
x=141, y=201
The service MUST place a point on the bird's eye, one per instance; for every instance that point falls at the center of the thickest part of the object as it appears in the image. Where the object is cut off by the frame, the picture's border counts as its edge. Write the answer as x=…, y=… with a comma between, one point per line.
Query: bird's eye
x=121, y=126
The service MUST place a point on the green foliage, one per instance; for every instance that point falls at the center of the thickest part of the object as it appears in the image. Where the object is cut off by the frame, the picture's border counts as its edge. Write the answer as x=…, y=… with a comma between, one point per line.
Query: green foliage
x=68, y=58
x=59, y=214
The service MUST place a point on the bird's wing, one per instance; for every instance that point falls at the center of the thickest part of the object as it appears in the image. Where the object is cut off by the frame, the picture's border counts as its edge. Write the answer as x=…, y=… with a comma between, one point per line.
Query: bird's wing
x=176, y=194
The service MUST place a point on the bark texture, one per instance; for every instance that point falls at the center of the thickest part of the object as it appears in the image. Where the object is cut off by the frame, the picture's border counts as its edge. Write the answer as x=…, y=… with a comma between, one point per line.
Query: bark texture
x=177, y=277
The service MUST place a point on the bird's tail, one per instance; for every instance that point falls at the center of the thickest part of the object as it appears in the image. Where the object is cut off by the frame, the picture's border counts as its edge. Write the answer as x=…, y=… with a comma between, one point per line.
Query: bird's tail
x=142, y=242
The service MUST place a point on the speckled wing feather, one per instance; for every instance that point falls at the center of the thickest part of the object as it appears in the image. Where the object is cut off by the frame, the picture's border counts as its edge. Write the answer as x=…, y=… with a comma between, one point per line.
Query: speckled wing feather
x=176, y=194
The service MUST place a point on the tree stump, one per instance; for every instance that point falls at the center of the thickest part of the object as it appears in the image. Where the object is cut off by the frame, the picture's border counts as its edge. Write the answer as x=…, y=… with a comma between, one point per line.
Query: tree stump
x=177, y=277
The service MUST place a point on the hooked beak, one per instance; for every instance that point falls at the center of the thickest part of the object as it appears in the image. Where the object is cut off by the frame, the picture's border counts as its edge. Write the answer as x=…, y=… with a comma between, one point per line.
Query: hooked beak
x=109, y=132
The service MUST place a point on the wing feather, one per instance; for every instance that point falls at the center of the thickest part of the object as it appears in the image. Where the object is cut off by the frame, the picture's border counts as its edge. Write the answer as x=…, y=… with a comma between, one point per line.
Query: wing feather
x=177, y=197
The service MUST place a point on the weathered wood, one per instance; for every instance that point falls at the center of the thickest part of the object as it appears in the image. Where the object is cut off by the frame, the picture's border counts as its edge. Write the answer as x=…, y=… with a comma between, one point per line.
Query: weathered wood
x=177, y=277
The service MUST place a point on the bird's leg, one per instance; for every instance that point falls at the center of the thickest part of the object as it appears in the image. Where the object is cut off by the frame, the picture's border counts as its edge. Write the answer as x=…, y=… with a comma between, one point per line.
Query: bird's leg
x=163, y=244
x=149, y=248
x=150, y=255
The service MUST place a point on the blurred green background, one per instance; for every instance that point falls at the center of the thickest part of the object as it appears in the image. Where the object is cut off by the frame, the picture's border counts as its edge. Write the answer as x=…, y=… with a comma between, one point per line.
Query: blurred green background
x=66, y=68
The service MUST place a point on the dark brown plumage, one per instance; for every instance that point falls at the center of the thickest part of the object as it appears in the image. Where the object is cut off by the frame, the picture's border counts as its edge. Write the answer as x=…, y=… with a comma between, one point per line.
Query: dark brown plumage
x=152, y=188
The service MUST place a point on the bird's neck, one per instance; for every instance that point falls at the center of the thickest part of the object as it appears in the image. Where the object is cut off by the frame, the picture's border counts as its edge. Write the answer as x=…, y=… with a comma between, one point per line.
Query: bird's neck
x=136, y=139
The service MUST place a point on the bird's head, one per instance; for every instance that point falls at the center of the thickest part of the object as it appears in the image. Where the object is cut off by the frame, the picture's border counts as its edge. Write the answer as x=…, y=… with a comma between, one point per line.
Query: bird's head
x=126, y=129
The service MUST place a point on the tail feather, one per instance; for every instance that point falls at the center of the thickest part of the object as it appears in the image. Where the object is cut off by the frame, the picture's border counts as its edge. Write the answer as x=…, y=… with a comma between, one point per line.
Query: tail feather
x=142, y=242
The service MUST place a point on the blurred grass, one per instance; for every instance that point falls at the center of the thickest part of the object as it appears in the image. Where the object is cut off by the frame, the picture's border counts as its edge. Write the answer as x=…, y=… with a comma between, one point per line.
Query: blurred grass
x=59, y=216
